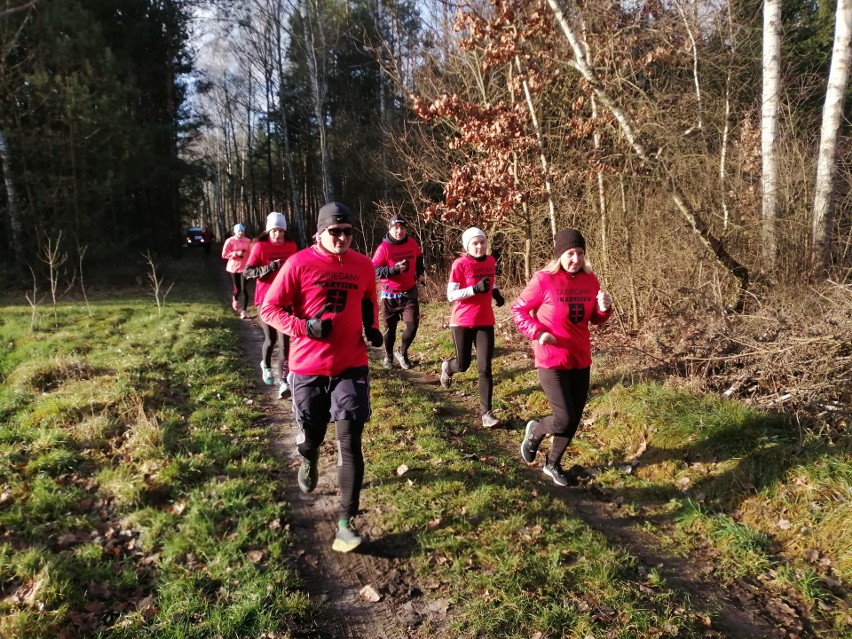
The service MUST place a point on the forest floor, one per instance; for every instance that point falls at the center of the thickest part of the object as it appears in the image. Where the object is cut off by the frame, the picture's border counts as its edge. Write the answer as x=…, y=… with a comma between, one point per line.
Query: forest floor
x=375, y=591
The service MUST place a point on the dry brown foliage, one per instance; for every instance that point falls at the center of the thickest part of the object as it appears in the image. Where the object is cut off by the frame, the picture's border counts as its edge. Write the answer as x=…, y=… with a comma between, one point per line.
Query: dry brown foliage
x=791, y=354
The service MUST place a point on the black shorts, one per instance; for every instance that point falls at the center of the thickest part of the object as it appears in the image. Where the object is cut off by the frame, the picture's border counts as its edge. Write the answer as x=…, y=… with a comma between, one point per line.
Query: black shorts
x=403, y=307
x=319, y=399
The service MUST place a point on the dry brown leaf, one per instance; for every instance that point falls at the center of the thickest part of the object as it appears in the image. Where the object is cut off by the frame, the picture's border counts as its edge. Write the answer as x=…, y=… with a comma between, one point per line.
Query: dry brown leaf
x=255, y=556
x=147, y=607
x=811, y=555
x=370, y=594
x=26, y=593
x=439, y=607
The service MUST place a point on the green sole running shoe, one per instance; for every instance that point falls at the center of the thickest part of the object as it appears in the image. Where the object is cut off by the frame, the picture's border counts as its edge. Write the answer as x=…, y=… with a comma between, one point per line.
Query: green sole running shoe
x=346, y=539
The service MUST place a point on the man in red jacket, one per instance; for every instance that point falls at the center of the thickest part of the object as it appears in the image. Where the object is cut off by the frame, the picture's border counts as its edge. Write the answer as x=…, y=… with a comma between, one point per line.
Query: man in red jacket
x=399, y=268
x=325, y=299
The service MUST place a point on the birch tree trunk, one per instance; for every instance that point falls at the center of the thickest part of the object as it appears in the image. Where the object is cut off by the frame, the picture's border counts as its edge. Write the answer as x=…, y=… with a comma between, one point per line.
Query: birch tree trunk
x=832, y=117
x=769, y=128
x=599, y=177
x=17, y=229
x=693, y=218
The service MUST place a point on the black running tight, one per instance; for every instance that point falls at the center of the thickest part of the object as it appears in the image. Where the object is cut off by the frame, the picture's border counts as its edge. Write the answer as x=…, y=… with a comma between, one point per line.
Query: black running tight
x=240, y=290
x=465, y=338
x=350, y=465
x=567, y=392
x=271, y=337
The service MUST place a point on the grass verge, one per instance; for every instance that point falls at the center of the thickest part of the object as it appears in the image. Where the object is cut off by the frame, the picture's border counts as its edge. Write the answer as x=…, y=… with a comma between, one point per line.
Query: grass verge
x=753, y=497
x=137, y=497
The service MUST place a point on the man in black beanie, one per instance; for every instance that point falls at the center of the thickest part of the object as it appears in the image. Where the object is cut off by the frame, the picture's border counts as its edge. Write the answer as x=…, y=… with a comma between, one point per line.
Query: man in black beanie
x=334, y=213
x=325, y=299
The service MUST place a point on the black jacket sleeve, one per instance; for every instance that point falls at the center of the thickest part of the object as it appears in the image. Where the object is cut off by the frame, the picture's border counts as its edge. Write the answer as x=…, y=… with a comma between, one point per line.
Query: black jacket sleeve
x=421, y=267
x=384, y=272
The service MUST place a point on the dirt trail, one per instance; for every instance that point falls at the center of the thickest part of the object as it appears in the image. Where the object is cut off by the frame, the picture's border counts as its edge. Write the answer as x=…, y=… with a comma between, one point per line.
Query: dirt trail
x=337, y=579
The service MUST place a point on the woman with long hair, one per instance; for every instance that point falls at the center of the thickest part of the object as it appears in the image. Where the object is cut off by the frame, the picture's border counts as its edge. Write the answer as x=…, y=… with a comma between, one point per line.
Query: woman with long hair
x=554, y=311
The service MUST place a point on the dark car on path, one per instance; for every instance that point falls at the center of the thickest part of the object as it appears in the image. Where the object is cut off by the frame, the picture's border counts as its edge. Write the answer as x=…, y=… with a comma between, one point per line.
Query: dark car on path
x=194, y=236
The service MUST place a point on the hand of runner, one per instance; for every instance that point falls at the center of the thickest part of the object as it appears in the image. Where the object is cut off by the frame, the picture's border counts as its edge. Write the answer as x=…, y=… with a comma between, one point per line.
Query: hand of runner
x=318, y=328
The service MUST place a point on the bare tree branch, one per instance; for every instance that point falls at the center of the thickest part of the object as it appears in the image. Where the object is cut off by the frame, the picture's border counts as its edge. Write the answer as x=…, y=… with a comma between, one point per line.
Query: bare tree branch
x=651, y=160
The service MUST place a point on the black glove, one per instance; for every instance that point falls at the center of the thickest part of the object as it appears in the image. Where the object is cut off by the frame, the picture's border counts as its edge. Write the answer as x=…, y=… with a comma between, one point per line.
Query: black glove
x=374, y=336
x=482, y=286
x=318, y=328
x=498, y=297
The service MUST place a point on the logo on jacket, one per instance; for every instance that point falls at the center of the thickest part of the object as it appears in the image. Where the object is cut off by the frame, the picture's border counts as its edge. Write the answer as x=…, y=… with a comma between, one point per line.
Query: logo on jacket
x=576, y=312
x=335, y=300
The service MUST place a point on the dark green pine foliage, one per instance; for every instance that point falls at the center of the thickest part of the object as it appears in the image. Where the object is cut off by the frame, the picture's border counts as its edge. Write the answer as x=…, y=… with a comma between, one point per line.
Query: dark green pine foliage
x=92, y=107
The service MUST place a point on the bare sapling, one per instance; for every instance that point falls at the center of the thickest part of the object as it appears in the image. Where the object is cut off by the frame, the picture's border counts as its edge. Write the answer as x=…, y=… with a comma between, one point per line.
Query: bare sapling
x=156, y=283
x=52, y=255
x=34, y=301
x=81, y=254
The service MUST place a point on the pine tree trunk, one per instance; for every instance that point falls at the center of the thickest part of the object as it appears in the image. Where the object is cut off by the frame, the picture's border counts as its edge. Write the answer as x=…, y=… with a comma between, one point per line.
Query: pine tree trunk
x=318, y=91
x=300, y=224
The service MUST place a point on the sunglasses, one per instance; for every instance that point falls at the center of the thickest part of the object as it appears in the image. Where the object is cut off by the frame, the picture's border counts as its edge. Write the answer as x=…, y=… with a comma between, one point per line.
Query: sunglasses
x=337, y=231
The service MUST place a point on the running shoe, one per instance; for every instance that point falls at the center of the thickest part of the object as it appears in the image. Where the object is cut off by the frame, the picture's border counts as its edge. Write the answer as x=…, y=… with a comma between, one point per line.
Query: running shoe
x=555, y=472
x=529, y=446
x=403, y=360
x=268, y=377
x=235, y=305
x=387, y=362
x=308, y=474
x=446, y=376
x=284, y=390
x=346, y=538
x=489, y=421
x=243, y=315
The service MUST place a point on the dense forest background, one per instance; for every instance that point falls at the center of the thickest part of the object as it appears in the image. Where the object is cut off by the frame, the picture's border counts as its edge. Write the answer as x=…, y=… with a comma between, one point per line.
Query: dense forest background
x=643, y=123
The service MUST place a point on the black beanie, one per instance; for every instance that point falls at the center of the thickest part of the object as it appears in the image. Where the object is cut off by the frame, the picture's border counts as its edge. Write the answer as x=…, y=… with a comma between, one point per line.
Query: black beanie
x=397, y=219
x=334, y=213
x=568, y=239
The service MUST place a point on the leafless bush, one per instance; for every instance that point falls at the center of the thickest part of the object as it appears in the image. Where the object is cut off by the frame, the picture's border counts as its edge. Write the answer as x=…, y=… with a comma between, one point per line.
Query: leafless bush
x=792, y=354
x=53, y=256
x=156, y=282
x=34, y=301
x=81, y=254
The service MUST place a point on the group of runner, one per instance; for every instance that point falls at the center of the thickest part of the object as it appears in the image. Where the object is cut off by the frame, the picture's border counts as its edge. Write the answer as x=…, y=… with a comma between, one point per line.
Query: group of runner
x=320, y=303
